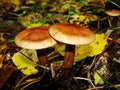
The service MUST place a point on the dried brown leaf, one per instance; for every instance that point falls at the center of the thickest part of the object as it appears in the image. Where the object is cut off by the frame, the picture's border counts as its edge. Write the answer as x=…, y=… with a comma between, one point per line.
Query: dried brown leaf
x=5, y=73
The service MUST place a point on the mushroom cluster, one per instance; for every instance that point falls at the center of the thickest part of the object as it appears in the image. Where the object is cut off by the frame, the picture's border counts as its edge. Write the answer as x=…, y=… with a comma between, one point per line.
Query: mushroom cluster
x=41, y=38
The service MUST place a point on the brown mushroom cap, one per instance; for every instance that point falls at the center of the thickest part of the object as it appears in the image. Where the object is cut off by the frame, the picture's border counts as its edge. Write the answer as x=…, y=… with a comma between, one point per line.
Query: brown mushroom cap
x=35, y=38
x=71, y=34
x=113, y=12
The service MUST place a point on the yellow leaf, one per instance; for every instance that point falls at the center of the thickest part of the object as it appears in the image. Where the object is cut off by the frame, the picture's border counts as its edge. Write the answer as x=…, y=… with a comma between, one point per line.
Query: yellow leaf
x=60, y=48
x=92, y=17
x=82, y=51
x=31, y=53
x=34, y=25
x=16, y=2
x=98, y=45
x=24, y=64
x=37, y=25
x=91, y=49
x=82, y=18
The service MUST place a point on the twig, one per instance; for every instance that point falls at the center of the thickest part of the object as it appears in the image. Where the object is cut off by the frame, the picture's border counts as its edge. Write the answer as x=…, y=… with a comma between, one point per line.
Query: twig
x=26, y=56
x=35, y=80
x=28, y=82
x=109, y=22
x=114, y=3
x=50, y=58
x=52, y=54
x=44, y=67
x=93, y=62
x=86, y=80
x=19, y=83
x=116, y=41
x=101, y=87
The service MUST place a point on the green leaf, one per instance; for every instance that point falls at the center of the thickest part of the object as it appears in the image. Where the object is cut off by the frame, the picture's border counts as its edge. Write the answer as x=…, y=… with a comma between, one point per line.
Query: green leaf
x=66, y=6
x=84, y=2
x=50, y=14
x=98, y=79
x=42, y=20
x=99, y=10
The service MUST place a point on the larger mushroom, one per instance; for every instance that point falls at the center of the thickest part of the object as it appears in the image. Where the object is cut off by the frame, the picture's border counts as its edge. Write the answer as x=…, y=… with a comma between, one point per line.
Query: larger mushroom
x=71, y=35
x=36, y=38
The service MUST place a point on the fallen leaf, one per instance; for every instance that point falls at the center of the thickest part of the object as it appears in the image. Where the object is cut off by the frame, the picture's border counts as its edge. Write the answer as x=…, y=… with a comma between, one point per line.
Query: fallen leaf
x=5, y=73
x=98, y=45
x=31, y=54
x=82, y=19
x=16, y=2
x=26, y=66
x=98, y=79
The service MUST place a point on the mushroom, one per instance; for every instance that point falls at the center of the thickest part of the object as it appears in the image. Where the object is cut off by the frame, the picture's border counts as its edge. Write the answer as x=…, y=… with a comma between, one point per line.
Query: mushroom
x=71, y=35
x=112, y=13
x=36, y=38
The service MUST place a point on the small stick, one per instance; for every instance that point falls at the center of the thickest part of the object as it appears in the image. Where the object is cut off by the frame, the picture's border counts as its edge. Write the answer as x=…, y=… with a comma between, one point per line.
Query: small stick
x=116, y=41
x=101, y=87
x=86, y=80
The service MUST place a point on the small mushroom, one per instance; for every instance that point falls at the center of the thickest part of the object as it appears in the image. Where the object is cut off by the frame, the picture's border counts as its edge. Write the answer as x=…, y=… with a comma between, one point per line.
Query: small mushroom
x=71, y=35
x=36, y=38
x=112, y=13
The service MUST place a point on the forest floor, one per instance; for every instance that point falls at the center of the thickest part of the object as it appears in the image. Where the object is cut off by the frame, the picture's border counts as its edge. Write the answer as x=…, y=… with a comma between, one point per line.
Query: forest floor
x=96, y=70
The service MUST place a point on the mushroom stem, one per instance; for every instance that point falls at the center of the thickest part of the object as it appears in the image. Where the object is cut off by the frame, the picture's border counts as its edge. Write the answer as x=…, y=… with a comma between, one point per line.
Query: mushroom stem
x=69, y=56
x=42, y=57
